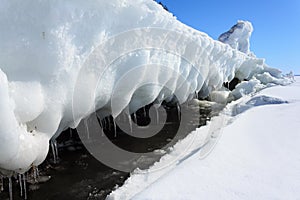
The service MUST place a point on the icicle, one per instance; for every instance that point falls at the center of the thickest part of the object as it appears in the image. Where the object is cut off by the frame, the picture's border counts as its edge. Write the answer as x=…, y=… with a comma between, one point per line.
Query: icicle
x=10, y=188
x=157, y=114
x=134, y=117
x=35, y=173
x=130, y=122
x=87, y=127
x=115, y=127
x=24, y=185
x=109, y=123
x=21, y=184
x=144, y=111
x=54, y=150
x=178, y=111
x=100, y=121
x=2, y=184
x=103, y=124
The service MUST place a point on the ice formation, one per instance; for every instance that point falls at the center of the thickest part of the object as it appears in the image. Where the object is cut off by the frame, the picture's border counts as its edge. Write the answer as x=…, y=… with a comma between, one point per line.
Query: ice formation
x=238, y=37
x=53, y=53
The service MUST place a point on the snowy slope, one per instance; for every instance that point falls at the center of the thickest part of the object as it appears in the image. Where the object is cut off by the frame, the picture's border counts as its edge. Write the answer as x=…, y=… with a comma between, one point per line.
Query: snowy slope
x=60, y=61
x=257, y=156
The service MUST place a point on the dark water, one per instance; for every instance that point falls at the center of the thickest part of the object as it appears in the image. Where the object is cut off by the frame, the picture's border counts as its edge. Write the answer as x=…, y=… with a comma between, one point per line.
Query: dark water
x=79, y=176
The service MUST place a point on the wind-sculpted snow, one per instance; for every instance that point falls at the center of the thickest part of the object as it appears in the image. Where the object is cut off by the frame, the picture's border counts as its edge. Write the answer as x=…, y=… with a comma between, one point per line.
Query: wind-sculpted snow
x=60, y=61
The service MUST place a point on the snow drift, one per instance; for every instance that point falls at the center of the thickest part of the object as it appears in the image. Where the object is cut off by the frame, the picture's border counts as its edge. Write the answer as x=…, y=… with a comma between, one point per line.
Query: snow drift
x=62, y=60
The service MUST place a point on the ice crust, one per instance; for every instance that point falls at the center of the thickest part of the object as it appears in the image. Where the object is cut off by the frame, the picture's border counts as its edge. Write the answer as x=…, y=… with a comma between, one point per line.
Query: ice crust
x=52, y=55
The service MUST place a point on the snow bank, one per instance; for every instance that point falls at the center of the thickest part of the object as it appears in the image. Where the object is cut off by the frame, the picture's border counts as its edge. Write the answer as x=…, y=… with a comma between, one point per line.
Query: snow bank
x=62, y=60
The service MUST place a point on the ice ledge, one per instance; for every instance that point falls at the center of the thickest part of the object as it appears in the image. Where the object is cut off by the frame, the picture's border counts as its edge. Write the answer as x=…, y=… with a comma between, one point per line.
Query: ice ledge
x=102, y=55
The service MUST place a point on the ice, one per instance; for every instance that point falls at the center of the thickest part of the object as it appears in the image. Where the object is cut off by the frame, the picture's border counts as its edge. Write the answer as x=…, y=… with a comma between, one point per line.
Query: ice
x=134, y=117
x=54, y=149
x=220, y=96
x=20, y=184
x=256, y=101
x=10, y=188
x=238, y=37
x=24, y=186
x=53, y=53
x=115, y=127
x=35, y=173
x=246, y=87
x=29, y=101
x=2, y=184
x=130, y=123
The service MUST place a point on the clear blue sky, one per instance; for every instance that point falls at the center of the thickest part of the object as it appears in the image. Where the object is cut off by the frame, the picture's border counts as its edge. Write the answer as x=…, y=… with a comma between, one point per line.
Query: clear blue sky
x=276, y=23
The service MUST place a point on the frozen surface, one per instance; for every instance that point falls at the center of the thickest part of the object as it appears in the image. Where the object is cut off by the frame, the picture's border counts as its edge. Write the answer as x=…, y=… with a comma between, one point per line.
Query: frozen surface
x=62, y=60
x=257, y=156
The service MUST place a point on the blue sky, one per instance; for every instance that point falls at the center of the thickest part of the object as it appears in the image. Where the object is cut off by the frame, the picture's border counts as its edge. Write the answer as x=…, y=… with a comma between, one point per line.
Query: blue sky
x=276, y=35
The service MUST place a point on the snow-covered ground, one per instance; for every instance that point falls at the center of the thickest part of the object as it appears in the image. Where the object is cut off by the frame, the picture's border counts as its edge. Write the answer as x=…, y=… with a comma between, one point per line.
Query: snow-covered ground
x=257, y=155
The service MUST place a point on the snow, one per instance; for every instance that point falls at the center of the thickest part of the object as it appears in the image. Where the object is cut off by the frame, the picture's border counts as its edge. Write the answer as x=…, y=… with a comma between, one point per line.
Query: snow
x=257, y=155
x=60, y=61
x=238, y=37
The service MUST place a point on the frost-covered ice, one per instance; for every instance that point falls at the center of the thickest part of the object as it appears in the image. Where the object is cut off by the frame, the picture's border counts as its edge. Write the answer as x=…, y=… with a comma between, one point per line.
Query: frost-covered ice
x=257, y=155
x=53, y=53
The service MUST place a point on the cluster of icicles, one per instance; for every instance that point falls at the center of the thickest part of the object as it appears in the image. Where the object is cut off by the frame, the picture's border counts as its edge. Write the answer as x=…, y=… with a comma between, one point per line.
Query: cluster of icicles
x=22, y=180
x=106, y=123
x=32, y=176
x=109, y=123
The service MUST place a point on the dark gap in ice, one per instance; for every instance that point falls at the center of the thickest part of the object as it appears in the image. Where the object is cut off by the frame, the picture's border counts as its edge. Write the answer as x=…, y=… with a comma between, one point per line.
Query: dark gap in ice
x=232, y=84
